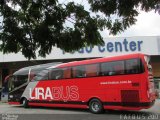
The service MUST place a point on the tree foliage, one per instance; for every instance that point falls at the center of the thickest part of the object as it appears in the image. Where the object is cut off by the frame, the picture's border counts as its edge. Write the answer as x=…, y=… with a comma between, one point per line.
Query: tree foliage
x=39, y=25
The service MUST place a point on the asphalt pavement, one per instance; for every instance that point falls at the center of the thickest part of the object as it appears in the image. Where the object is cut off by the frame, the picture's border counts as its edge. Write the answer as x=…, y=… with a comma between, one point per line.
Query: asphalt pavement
x=8, y=112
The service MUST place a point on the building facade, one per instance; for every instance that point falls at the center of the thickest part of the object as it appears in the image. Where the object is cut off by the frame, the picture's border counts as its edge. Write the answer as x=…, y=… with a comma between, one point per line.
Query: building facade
x=113, y=46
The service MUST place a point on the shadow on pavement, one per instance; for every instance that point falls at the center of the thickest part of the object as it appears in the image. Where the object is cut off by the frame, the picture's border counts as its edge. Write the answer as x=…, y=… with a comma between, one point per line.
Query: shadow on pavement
x=107, y=112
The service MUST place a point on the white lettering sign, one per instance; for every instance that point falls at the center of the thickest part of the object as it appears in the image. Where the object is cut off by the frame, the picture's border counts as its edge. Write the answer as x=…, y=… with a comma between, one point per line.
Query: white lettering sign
x=55, y=93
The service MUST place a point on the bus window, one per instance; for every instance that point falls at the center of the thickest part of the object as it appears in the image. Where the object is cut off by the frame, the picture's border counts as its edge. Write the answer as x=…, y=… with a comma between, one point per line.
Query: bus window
x=43, y=75
x=67, y=73
x=33, y=73
x=56, y=74
x=112, y=68
x=92, y=70
x=31, y=76
x=79, y=71
x=133, y=66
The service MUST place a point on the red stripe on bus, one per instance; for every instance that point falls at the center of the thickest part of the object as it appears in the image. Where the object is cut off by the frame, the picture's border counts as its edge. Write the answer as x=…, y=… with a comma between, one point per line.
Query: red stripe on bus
x=58, y=105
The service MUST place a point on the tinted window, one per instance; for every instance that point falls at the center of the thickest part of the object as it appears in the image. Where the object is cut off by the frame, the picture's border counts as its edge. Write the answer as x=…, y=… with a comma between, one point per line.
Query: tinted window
x=43, y=75
x=56, y=74
x=20, y=79
x=34, y=72
x=92, y=70
x=79, y=72
x=133, y=66
x=67, y=73
x=112, y=68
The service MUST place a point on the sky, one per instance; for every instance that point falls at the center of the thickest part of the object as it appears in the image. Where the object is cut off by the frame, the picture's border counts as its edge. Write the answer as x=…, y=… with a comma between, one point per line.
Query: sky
x=148, y=23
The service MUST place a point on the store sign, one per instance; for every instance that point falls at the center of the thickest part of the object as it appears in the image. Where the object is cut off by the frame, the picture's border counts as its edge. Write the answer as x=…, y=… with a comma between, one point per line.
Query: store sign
x=122, y=46
x=119, y=46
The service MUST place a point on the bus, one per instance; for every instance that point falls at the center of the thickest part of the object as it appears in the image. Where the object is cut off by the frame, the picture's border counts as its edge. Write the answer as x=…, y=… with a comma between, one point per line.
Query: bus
x=112, y=83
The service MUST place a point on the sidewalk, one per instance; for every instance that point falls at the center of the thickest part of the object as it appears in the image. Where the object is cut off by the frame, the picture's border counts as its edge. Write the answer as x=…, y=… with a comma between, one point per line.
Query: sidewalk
x=3, y=102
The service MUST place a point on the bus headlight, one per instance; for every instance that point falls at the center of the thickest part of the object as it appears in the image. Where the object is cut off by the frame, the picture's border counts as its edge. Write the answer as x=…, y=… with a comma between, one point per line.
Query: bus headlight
x=10, y=96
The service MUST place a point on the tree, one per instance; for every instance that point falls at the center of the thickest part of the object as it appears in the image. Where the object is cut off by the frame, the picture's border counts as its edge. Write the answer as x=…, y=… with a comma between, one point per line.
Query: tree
x=39, y=25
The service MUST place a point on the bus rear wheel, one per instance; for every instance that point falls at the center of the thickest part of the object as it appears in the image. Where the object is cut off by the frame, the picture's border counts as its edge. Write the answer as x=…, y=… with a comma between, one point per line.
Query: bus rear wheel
x=25, y=103
x=96, y=106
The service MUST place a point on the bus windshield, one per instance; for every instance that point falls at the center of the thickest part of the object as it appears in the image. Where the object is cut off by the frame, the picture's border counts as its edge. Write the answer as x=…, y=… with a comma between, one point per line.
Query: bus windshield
x=16, y=81
x=24, y=75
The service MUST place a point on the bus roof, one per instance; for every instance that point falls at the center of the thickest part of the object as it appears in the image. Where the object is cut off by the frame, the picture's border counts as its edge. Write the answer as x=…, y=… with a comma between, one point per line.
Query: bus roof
x=34, y=67
x=92, y=61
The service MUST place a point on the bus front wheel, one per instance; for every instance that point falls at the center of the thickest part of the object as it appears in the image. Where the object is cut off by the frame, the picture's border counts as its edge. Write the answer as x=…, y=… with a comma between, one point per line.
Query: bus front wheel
x=25, y=103
x=96, y=106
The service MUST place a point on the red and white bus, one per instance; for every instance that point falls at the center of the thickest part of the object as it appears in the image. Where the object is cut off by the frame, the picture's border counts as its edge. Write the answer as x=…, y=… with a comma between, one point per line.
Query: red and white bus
x=112, y=83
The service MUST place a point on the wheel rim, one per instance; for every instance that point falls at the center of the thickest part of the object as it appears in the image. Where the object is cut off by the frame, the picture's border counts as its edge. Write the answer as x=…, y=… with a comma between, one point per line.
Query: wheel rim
x=95, y=106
